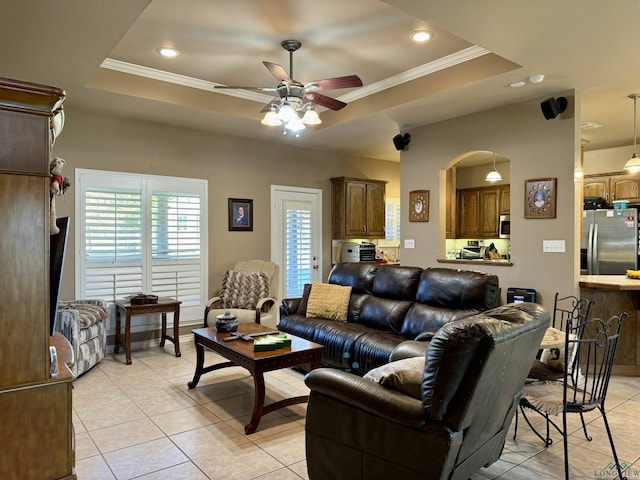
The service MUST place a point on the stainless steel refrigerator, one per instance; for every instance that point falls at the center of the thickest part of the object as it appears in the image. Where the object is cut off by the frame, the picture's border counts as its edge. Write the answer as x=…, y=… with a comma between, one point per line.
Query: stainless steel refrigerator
x=609, y=244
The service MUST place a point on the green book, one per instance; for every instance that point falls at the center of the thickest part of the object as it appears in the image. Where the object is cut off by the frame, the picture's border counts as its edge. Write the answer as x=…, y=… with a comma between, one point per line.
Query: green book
x=271, y=342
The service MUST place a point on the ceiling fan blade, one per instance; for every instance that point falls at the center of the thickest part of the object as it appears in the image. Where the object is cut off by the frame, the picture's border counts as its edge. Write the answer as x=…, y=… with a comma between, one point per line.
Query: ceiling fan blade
x=328, y=102
x=267, y=107
x=348, y=81
x=251, y=89
x=278, y=72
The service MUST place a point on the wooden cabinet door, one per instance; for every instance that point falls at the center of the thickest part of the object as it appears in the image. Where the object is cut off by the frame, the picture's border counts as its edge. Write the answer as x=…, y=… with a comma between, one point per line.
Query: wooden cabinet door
x=375, y=210
x=624, y=187
x=356, y=209
x=505, y=200
x=488, y=218
x=468, y=207
x=596, y=187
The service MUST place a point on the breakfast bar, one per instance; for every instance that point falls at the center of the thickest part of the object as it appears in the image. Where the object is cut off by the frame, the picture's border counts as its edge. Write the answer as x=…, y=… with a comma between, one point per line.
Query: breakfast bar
x=614, y=294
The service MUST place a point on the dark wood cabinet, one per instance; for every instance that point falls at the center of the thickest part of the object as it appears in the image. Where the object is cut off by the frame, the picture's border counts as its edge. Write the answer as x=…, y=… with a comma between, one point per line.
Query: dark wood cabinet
x=35, y=409
x=479, y=210
x=613, y=186
x=358, y=208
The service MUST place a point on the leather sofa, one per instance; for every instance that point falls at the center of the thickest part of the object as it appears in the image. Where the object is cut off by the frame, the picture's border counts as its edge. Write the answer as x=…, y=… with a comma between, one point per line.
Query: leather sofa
x=390, y=305
x=467, y=392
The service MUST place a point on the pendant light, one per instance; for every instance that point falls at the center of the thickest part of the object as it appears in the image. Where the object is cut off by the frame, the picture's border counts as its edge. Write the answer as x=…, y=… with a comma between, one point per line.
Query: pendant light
x=633, y=164
x=493, y=175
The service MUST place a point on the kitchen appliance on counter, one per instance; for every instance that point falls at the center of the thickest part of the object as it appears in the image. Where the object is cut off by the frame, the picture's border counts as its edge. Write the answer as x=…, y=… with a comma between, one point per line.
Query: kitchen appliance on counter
x=471, y=253
x=504, y=227
x=357, y=252
x=609, y=244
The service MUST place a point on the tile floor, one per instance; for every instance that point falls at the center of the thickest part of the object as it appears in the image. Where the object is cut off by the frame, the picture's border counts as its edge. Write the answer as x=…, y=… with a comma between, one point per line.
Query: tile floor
x=141, y=421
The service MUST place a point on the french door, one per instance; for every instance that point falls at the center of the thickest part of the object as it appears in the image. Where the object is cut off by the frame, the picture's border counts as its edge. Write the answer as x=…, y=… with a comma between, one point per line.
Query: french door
x=296, y=237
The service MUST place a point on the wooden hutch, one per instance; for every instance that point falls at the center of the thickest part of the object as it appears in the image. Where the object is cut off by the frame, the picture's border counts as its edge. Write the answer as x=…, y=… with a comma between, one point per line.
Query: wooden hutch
x=36, y=430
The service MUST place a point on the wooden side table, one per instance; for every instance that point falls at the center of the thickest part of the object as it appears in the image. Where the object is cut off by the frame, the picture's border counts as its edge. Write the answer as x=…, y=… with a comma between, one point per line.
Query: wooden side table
x=165, y=305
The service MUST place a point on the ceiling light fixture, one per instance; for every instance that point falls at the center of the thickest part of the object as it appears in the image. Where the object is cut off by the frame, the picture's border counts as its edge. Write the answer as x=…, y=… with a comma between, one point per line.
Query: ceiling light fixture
x=633, y=164
x=420, y=36
x=168, y=52
x=537, y=78
x=518, y=84
x=493, y=175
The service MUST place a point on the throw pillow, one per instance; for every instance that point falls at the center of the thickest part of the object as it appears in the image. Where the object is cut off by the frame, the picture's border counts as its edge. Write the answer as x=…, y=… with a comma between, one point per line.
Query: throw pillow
x=304, y=301
x=329, y=301
x=554, y=357
x=402, y=375
x=244, y=290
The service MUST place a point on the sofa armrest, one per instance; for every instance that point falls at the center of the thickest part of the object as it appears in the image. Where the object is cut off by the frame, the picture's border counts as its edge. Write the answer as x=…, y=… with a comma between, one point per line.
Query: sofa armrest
x=409, y=349
x=265, y=304
x=363, y=394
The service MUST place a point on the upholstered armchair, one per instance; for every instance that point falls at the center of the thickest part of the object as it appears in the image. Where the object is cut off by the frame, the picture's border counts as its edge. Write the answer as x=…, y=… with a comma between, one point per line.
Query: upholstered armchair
x=441, y=416
x=249, y=291
x=83, y=323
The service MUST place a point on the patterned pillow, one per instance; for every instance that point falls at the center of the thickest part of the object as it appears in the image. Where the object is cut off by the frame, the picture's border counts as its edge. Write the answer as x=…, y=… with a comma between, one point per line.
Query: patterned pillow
x=244, y=290
x=329, y=301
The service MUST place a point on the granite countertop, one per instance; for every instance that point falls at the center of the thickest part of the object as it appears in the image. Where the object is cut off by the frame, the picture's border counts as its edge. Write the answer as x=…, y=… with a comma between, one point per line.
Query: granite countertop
x=497, y=261
x=609, y=282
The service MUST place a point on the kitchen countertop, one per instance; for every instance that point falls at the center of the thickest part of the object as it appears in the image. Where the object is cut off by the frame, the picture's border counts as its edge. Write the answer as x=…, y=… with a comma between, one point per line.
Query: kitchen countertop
x=480, y=261
x=609, y=282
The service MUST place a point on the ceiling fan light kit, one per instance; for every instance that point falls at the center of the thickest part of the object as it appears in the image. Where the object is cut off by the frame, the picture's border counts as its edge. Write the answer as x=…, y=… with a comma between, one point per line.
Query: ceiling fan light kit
x=294, y=104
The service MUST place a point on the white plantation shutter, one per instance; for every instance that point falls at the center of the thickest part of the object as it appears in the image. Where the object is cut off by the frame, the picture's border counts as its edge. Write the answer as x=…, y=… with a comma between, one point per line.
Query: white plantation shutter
x=298, y=255
x=141, y=234
x=392, y=219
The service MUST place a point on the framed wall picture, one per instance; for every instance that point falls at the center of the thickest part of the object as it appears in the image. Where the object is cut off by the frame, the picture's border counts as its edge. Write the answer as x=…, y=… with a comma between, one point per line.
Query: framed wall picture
x=241, y=214
x=540, y=198
x=419, y=206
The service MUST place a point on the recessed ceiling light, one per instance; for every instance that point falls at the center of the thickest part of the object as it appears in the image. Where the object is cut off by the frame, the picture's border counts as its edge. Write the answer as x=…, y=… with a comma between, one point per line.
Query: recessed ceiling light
x=421, y=35
x=537, y=78
x=168, y=52
x=517, y=84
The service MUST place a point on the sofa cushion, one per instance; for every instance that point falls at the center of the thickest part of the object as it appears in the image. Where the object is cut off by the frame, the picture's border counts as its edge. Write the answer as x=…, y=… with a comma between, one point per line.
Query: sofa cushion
x=243, y=290
x=457, y=289
x=396, y=282
x=403, y=375
x=374, y=348
x=304, y=301
x=358, y=276
x=88, y=313
x=329, y=301
x=422, y=318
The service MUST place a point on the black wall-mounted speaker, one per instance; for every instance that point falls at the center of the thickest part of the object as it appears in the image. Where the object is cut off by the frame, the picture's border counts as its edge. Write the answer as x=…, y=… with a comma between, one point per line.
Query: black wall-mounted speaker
x=401, y=142
x=552, y=107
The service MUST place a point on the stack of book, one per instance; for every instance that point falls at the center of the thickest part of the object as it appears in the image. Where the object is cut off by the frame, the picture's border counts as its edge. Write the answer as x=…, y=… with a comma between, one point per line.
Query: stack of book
x=271, y=342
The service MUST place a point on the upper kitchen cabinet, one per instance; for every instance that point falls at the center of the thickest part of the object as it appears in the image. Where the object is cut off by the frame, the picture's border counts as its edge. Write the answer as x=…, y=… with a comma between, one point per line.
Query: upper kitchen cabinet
x=358, y=208
x=505, y=200
x=613, y=186
x=479, y=210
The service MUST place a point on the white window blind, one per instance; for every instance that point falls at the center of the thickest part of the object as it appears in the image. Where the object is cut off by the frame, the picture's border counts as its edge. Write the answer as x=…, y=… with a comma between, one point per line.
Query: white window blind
x=392, y=219
x=141, y=234
x=298, y=251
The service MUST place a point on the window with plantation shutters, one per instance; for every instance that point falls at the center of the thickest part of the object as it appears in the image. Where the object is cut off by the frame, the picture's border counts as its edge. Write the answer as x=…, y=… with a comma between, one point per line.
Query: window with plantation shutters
x=298, y=255
x=141, y=234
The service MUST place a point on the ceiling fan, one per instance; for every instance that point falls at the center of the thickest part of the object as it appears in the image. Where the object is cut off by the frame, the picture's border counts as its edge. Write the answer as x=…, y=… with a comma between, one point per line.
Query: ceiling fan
x=293, y=97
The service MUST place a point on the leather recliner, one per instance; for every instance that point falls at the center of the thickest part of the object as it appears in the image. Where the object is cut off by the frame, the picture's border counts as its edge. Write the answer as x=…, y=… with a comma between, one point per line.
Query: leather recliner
x=474, y=370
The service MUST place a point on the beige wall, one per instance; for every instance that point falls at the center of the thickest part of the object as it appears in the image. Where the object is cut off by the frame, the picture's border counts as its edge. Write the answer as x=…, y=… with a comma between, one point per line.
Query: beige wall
x=536, y=148
x=234, y=167
x=606, y=160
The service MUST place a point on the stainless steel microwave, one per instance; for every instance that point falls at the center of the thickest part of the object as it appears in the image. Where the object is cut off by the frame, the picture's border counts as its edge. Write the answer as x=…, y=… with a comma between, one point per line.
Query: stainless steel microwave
x=504, y=228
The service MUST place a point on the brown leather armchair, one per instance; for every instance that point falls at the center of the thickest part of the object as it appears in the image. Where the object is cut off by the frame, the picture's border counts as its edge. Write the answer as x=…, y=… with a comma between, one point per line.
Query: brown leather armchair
x=455, y=422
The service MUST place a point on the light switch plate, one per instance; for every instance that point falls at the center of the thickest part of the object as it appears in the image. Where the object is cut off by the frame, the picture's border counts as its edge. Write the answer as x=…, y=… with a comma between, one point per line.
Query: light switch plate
x=553, y=246
x=409, y=243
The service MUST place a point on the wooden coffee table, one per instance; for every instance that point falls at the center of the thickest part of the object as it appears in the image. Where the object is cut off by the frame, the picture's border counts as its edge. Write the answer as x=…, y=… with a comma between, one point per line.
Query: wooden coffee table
x=240, y=353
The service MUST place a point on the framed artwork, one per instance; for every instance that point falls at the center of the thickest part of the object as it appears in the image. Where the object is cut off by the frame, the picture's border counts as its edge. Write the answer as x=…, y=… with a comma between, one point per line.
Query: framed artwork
x=419, y=206
x=241, y=214
x=540, y=198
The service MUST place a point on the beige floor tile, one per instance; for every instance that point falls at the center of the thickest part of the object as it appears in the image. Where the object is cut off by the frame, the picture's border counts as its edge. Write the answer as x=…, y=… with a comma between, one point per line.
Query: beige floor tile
x=117, y=412
x=300, y=469
x=232, y=407
x=186, y=419
x=125, y=435
x=184, y=471
x=270, y=424
x=287, y=446
x=85, y=446
x=282, y=474
x=145, y=458
x=241, y=462
x=207, y=440
x=93, y=468
x=165, y=403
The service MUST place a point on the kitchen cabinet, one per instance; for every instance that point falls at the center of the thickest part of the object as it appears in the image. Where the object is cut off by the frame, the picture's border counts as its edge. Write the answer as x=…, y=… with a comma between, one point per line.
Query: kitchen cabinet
x=358, y=208
x=613, y=186
x=505, y=200
x=479, y=210
x=450, y=219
